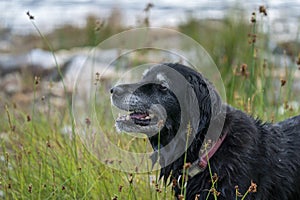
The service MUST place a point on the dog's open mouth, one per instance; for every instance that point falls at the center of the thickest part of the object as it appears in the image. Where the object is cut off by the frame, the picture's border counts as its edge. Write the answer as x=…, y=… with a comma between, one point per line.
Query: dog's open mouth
x=138, y=117
x=149, y=121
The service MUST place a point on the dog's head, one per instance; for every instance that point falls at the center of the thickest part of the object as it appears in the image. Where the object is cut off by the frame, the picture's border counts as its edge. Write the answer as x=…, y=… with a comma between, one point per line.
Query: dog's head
x=150, y=104
x=169, y=99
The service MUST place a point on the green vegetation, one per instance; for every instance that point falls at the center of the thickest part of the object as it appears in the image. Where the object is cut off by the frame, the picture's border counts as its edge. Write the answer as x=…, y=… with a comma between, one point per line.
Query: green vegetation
x=240, y=50
x=39, y=161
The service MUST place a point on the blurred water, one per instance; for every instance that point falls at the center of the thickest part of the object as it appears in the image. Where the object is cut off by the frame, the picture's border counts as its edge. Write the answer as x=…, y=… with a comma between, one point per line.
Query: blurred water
x=284, y=16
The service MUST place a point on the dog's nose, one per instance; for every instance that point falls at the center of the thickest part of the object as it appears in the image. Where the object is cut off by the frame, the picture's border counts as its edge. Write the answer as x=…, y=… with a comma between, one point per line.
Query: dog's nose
x=117, y=90
x=111, y=90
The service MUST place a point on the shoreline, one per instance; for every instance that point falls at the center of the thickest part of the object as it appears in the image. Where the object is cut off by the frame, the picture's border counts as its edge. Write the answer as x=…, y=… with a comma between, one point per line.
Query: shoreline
x=282, y=20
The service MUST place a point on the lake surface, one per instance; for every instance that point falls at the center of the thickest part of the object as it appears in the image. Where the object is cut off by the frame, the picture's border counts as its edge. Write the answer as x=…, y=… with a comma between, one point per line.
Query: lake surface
x=283, y=16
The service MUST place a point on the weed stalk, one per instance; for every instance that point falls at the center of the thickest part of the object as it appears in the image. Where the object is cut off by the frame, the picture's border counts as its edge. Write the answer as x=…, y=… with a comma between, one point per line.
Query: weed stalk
x=64, y=86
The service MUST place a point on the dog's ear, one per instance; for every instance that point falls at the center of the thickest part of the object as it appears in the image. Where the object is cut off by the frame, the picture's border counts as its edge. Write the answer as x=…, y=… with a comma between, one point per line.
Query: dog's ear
x=208, y=100
x=216, y=101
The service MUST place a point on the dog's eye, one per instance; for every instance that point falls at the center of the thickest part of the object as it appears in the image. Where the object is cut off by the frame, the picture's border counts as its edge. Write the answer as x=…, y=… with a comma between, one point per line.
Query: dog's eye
x=162, y=87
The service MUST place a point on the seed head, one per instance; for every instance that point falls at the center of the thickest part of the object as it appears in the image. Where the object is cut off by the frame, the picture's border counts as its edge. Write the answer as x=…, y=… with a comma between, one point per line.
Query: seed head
x=97, y=76
x=262, y=9
x=48, y=144
x=298, y=60
x=148, y=7
x=174, y=182
x=87, y=121
x=31, y=17
x=252, y=187
x=99, y=25
x=253, y=18
x=36, y=80
x=115, y=197
x=237, y=193
x=214, y=191
x=215, y=177
x=187, y=165
x=30, y=188
x=120, y=188
x=28, y=118
x=265, y=63
x=130, y=179
x=243, y=71
x=283, y=82
x=286, y=105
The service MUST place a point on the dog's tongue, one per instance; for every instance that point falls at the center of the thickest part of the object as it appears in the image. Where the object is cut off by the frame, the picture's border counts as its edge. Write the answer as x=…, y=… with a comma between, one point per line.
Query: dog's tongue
x=138, y=115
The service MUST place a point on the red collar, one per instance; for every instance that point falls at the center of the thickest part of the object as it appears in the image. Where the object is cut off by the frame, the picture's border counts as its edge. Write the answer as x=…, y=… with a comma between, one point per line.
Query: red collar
x=200, y=164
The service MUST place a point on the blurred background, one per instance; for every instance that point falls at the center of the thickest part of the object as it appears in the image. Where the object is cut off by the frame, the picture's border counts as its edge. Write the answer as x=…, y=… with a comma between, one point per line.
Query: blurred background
x=251, y=42
x=54, y=14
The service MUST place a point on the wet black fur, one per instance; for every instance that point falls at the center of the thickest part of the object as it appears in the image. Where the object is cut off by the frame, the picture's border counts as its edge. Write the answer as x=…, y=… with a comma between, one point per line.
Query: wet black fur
x=267, y=154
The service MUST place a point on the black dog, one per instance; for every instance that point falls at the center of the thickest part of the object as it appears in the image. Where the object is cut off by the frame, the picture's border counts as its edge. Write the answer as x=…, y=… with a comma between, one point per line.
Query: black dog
x=180, y=104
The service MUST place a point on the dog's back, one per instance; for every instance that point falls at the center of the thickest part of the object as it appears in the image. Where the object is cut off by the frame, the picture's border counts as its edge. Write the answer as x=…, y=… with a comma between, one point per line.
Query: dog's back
x=290, y=129
x=291, y=125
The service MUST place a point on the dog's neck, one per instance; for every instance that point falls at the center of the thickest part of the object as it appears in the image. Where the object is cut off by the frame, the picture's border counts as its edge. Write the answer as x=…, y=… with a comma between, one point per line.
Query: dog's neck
x=176, y=167
x=200, y=164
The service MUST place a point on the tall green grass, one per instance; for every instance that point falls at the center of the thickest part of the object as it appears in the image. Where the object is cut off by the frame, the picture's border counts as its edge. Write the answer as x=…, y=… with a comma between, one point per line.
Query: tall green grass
x=241, y=51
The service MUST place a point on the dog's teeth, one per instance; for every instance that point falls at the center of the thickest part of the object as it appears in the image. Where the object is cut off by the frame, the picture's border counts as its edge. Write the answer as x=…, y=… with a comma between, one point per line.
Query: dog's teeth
x=147, y=117
x=127, y=117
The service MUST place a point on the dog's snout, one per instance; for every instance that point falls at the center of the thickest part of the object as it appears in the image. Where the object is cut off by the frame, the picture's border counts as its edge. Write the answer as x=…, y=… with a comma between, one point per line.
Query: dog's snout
x=117, y=90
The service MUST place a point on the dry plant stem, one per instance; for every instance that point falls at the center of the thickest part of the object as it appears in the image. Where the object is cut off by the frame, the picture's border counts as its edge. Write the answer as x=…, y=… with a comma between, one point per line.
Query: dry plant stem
x=245, y=195
x=185, y=170
x=253, y=83
x=35, y=83
x=64, y=86
x=157, y=171
x=211, y=177
x=11, y=126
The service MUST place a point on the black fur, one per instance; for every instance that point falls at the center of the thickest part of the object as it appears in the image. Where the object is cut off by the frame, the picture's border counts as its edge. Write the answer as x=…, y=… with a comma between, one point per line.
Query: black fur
x=267, y=154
